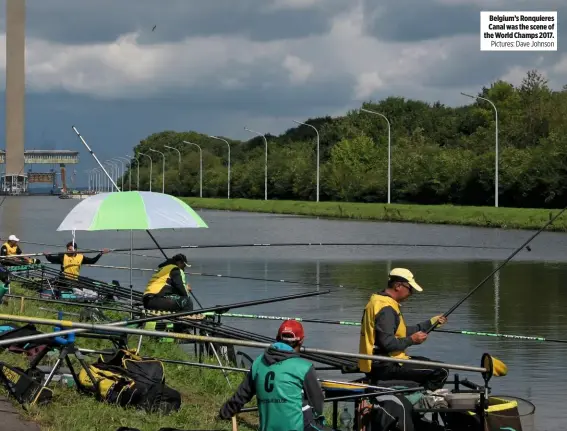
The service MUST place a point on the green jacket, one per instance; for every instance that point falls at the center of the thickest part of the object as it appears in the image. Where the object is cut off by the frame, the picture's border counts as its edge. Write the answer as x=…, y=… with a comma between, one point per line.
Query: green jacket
x=286, y=387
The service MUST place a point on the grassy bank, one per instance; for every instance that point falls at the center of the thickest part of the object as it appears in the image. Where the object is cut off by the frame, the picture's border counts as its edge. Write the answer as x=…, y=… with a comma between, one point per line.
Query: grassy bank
x=506, y=218
x=203, y=390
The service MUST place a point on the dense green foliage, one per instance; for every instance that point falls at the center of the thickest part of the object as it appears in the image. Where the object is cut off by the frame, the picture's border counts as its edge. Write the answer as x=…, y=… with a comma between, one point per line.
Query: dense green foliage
x=440, y=155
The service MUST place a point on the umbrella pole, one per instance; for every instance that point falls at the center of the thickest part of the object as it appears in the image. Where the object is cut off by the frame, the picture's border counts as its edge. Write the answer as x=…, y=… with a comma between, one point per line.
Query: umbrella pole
x=131, y=264
x=147, y=230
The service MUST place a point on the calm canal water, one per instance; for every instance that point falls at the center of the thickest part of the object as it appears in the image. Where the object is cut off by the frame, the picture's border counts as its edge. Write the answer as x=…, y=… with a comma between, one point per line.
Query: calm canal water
x=525, y=298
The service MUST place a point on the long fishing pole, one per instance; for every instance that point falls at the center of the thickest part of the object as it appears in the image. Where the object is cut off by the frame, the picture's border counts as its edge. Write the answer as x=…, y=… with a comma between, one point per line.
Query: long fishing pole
x=236, y=277
x=82, y=283
x=117, y=188
x=206, y=339
x=300, y=244
x=68, y=303
x=166, y=316
x=351, y=323
x=516, y=251
x=498, y=335
x=92, y=250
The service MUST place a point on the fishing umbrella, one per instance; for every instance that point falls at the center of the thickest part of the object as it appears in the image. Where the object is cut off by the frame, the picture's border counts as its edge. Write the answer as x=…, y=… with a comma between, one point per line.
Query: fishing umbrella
x=132, y=210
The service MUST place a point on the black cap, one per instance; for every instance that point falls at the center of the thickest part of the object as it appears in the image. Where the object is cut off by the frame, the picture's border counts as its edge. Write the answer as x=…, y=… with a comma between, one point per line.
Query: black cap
x=179, y=258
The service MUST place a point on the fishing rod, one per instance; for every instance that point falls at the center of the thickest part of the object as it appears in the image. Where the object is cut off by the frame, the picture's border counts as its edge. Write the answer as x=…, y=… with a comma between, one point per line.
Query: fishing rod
x=350, y=323
x=248, y=335
x=171, y=361
x=355, y=397
x=203, y=274
x=498, y=335
x=68, y=303
x=78, y=326
x=165, y=316
x=232, y=332
x=516, y=251
x=298, y=244
x=147, y=230
x=82, y=283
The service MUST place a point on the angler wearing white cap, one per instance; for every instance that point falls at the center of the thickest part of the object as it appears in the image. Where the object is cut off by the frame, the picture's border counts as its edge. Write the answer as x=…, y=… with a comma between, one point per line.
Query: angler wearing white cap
x=384, y=332
x=11, y=248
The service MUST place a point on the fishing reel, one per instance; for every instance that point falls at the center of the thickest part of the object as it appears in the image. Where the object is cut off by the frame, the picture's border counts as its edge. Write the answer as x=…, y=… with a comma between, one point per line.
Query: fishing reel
x=487, y=363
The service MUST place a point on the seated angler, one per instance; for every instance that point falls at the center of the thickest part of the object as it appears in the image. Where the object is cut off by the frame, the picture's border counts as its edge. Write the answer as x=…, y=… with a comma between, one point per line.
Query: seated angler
x=384, y=332
x=11, y=249
x=167, y=290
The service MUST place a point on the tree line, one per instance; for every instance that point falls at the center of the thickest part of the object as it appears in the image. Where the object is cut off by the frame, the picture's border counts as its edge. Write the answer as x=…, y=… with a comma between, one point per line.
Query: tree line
x=439, y=154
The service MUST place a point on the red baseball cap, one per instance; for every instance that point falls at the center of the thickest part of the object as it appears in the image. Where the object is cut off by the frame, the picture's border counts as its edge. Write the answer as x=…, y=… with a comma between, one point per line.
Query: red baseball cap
x=291, y=330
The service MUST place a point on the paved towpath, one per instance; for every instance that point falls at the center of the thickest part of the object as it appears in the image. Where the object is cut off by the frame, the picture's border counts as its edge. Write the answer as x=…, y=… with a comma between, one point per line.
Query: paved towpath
x=10, y=419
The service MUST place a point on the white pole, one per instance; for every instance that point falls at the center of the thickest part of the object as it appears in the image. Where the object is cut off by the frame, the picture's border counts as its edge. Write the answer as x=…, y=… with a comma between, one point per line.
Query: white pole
x=228, y=145
x=179, y=153
x=124, y=170
x=138, y=166
x=496, y=188
x=317, y=132
x=118, y=159
x=265, y=162
x=151, y=162
x=130, y=158
x=389, y=149
x=200, y=167
x=162, y=170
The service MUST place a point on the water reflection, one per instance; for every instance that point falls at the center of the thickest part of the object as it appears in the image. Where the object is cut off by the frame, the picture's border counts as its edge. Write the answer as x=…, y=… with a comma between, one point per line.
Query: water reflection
x=526, y=297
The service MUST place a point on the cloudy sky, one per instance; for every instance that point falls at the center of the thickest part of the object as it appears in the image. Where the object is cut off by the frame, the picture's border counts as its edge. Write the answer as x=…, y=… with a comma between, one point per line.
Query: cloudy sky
x=216, y=66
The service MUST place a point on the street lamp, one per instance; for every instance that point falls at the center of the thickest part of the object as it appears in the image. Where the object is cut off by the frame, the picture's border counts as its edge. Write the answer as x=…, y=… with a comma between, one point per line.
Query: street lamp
x=89, y=174
x=179, y=153
x=317, y=132
x=111, y=173
x=115, y=170
x=389, y=148
x=115, y=160
x=151, y=163
x=265, y=162
x=138, y=165
x=228, y=145
x=97, y=180
x=200, y=167
x=130, y=158
x=119, y=159
x=496, y=150
x=127, y=159
x=162, y=170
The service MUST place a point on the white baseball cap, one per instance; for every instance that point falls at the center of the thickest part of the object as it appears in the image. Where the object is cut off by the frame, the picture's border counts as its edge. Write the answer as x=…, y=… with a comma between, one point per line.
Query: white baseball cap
x=405, y=274
x=13, y=238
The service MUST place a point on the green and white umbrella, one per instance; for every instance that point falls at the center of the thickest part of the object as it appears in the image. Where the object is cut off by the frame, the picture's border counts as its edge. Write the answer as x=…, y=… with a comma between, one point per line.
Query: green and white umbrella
x=134, y=210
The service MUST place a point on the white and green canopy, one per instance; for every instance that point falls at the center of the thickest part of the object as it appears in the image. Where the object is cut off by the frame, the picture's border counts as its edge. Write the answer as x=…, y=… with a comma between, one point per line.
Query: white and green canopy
x=132, y=210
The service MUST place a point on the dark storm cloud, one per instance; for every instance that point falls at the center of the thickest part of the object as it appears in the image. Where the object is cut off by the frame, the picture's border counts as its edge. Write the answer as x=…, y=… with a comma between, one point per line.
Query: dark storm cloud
x=478, y=68
x=88, y=21
x=417, y=20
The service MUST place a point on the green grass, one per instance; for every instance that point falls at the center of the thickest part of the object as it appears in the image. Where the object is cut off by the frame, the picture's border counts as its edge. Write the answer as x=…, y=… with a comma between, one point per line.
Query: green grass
x=506, y=218
x=203, y=390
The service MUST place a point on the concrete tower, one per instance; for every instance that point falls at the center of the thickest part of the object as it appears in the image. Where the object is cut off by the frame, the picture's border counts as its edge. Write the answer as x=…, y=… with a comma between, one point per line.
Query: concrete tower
x=15, y=95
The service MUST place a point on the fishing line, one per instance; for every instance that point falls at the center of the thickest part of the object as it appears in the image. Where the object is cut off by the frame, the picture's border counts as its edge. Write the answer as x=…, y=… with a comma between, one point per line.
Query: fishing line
x=305, y=244
x=520, y=248
x=203, y=274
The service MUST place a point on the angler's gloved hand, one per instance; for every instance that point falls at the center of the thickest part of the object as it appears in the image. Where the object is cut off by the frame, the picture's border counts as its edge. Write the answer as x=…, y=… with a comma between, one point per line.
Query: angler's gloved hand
x=441, y=319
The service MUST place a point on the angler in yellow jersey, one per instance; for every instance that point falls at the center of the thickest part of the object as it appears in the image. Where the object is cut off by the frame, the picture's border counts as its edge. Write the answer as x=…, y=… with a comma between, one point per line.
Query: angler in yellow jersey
x=12, y=249
x=385, y=333
x=71, y=262
x=168, y=290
